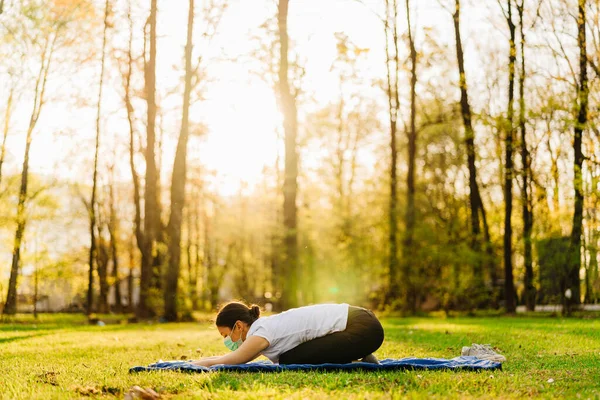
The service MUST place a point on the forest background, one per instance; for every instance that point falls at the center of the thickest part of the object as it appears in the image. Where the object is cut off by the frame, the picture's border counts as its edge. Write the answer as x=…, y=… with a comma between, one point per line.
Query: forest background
x=158, y=157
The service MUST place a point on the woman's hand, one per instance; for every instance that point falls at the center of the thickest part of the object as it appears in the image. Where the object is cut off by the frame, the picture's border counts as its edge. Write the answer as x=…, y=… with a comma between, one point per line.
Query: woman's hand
x=204, y=362
x=248, y=351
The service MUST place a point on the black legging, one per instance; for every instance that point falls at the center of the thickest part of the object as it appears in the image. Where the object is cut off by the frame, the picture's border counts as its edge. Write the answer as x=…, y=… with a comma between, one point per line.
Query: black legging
x=362, y=336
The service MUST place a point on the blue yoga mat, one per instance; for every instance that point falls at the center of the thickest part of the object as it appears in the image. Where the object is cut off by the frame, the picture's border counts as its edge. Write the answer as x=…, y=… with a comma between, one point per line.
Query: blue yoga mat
x=468, y=363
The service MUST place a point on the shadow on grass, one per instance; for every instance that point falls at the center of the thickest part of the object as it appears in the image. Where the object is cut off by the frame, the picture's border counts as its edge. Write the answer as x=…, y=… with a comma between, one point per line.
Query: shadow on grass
x=21, y=337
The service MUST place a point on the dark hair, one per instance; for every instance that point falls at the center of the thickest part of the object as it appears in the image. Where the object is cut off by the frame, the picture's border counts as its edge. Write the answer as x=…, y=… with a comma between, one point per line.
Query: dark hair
x=237, y=311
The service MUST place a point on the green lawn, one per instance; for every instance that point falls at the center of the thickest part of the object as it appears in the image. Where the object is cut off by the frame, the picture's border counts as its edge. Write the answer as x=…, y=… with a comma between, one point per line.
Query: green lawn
x=61, y=357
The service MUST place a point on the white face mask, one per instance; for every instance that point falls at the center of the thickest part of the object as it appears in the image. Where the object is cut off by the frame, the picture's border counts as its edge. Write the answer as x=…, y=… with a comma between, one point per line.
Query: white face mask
x=230, y=344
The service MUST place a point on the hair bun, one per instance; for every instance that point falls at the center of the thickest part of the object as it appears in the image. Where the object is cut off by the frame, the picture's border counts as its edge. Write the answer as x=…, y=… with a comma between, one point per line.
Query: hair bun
x=255, y=311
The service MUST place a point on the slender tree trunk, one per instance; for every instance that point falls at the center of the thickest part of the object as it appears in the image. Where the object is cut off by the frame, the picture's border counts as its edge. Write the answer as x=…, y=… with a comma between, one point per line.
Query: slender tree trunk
x=35, y=289
x=290, y=186
x=102, y=258
x=530, y=292
x=113, y=229
x=188, y=223
x=509, y=288
x=408, y=245
x=277, y=276
x=160, y=256
x=151, y=218
x=92, y=205
x=7, y=115
x=207, y=263
x=36, y=281
x=592, y=269
x=130, y=302
x=393, y=107
x=10, y=307
x=475, y=200
x=178, y=184
x=192, y=262
x=139, y=234
x=582, y=95
x=198, y=281
x=553, y=170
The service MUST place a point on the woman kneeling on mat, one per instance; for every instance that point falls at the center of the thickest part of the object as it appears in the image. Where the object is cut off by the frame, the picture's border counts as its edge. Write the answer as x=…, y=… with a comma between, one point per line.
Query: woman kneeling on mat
x=323, y=333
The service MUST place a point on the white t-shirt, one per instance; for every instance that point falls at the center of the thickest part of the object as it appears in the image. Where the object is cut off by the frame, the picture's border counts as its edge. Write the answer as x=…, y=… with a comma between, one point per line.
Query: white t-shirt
x=298, y=325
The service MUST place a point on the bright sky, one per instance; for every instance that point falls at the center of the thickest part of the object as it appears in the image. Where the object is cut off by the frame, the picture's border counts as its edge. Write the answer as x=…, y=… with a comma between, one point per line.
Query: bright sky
x=240, y=108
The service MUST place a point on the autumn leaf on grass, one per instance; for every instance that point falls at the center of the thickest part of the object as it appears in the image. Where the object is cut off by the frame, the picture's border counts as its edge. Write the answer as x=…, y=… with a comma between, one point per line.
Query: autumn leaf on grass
x=48, y=377
x=87, y=390
x=138, y=393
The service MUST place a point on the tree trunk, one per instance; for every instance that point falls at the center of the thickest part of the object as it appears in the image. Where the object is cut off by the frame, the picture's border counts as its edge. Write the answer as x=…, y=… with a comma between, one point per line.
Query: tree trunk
x=290, y=185
x=393, y=106
x=509, y=288
x=476, y=203
x=92, y=205
x=139, y=234
x=530, y=292
x=130, y=302
x=113, y=229
x=7, y=115
x=207, y=264
x=582, y=95
x=35, y=288
x=151, y=218
x=178, y=184
x=102, y=258
x=191, y=255
x=198, y=281
x=407, y=243
x=10, y=307
x=592, y=270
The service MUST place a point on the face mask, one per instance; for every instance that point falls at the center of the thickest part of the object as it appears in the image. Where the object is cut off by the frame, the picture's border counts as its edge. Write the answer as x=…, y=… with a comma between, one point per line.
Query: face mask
x=230, y=344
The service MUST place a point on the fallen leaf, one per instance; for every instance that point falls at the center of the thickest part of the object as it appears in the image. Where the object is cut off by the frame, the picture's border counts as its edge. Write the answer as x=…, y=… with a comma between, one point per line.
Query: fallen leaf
x=87, y=390
x=111, y=390
x=48, y=377
x=138, y=393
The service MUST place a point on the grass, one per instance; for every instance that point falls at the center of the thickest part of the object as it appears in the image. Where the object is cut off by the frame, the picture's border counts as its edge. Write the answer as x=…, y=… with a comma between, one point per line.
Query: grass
x=61, y=357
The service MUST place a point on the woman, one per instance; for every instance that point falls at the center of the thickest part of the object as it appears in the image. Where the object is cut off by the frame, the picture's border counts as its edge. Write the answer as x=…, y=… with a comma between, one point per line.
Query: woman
x=323, y=333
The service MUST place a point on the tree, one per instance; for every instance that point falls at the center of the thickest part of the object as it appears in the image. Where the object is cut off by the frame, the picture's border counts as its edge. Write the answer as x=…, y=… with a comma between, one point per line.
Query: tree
x=151, y=215
x=392, y=67
x=579, y=129
x=509, y=288
x=113, y=231
x=530, y=292
x=138, y=231
x=92, y=205
x=178, y=182
x=410, y=299
x=48, y=24
x=476, y=204
x=290, y=185
x=7, y=117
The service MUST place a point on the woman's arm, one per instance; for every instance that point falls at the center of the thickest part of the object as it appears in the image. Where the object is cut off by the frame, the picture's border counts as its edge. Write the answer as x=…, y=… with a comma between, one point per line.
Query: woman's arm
x=248, y=351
